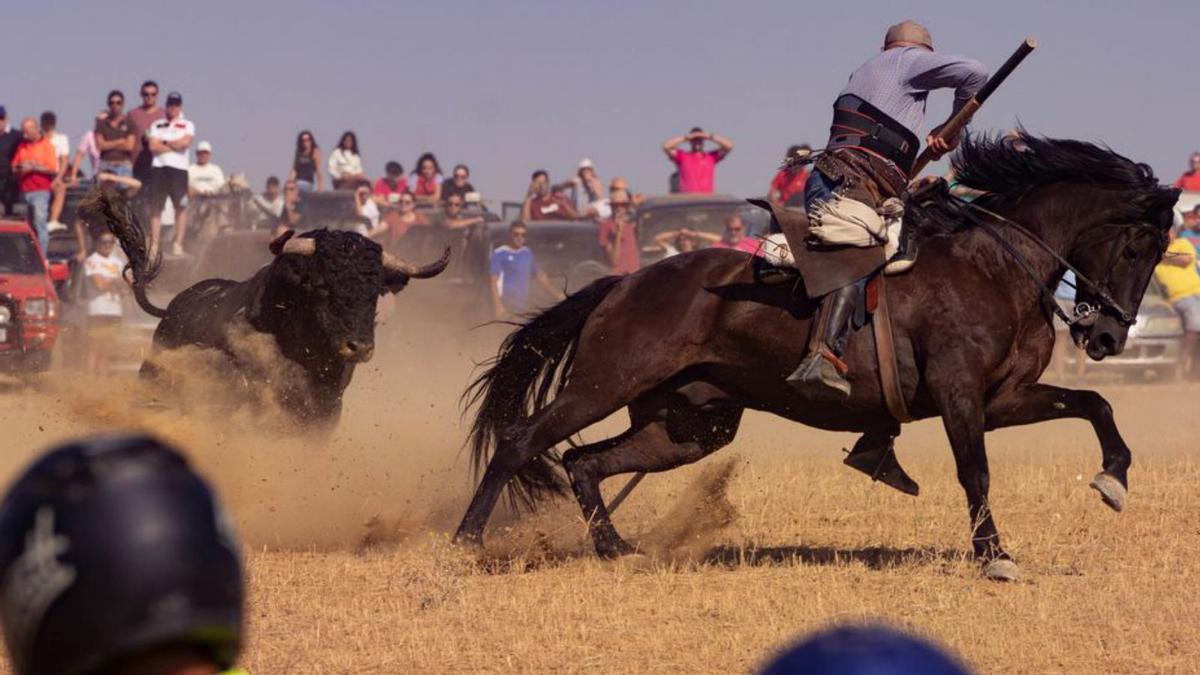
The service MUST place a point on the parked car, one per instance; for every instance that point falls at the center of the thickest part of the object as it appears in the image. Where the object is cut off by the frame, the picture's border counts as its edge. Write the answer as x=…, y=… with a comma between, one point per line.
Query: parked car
x=1153, y=348
x=568, y=251
x=29, y=309
x=702, y=213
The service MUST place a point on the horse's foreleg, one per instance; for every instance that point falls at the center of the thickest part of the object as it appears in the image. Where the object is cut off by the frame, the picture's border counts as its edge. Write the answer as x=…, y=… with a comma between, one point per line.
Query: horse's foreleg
x=1033, y=403
x=962, y=411
x=681, y=436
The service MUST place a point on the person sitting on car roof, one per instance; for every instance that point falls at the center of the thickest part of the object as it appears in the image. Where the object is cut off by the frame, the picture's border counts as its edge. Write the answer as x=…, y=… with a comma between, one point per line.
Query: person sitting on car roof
x=545, y=201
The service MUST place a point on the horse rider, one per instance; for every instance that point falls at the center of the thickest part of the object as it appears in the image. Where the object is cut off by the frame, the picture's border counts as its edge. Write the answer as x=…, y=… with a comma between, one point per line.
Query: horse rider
x=854, y=195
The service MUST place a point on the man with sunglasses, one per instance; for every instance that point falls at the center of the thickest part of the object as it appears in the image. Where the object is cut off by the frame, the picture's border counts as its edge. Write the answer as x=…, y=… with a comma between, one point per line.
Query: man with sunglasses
x=140, y=119
x=513, y=266
x=169, y=140
x=459, y=184
x=116, y=138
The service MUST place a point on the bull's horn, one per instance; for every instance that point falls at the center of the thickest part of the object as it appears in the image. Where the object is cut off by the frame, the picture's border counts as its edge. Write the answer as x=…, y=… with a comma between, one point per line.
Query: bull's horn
x=394, y=264
x=299, y=246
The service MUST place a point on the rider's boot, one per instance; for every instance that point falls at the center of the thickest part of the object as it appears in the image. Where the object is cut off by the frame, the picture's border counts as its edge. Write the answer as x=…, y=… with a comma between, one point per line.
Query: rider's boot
x=822, y=372
x=876, y=457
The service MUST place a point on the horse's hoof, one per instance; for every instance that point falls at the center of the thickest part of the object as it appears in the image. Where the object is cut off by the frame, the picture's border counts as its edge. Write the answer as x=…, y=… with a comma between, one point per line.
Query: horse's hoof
x=1002, y=569
x=1111, y=491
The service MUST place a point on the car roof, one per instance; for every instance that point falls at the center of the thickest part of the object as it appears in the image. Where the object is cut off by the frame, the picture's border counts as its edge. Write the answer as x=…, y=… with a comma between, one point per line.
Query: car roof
x=17, y=226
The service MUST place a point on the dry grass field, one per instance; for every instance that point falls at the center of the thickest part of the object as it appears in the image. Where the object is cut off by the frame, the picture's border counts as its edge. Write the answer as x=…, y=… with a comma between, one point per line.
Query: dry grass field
x=350, y=569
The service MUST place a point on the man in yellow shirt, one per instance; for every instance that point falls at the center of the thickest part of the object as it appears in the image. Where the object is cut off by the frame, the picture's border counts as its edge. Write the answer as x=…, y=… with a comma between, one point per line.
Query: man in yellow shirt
x=1177, y=273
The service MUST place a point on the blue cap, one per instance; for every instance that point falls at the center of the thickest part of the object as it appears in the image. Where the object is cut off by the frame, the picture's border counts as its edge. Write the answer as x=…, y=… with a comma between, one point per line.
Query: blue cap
x=3, y=112
x=864, y=650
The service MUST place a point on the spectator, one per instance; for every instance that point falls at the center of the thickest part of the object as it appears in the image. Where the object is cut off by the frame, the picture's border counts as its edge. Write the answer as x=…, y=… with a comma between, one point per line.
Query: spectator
x=35, y=164
x=89, y=149
x=453, y=216
x=426, y=182
x=395, y=224
x=345, y=164
x=789, y=181
x=735, y=236
x=116, y=558
x=674, y=242
x=269, y=205
x=619, y=236
x=292, y=215
x=512, y=267
x=1177, y=273
x=168, y=140
x=542, y=202
x=696, y=166
x=116, y=137
x=10, y=138
x=1189, y=180
x=105, y=286
x=389, y=188
x=1191, y=226
x=459, y=184
x=593, y=189
x=205, y=177
x=141, y=119
x=62, y=154
x=619, y=183
x=366, y=208
x=306, y=165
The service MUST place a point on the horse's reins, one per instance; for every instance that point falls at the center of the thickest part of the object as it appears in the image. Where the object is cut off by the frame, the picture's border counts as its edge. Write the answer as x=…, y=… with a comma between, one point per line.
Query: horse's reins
x=1084, y=314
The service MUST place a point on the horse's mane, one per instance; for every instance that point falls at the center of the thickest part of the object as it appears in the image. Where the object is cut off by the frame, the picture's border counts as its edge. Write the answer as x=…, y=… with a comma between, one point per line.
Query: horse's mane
x=1010, y=165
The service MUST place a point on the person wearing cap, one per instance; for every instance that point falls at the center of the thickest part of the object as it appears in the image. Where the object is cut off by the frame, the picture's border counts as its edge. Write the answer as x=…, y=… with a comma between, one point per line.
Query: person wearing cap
x=787, y=187
x=863, y=170
x=696, y=165
x=168, y=140
x=863, y=650
x=204, y=177
x=585, y=178
x=10, y=138
x=116, y=558
x=618, y=235
x=459, y=183
x=1189, y=181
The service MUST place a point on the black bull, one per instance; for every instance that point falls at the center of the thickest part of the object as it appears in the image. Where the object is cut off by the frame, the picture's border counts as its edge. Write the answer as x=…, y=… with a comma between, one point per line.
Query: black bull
x=689, y=343
x=317, y=299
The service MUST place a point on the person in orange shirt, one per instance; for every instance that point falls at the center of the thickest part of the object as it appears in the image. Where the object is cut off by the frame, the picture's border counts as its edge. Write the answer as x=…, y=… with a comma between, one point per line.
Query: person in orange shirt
x=35, y=164
x=1189, y=181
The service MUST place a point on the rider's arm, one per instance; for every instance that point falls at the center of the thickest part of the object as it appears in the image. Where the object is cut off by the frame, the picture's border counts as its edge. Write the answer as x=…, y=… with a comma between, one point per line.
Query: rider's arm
x=935, y=70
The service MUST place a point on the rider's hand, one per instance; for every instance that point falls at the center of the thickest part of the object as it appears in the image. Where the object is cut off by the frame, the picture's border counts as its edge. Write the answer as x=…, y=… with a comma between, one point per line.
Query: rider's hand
x=923, y=182
x=939, y=145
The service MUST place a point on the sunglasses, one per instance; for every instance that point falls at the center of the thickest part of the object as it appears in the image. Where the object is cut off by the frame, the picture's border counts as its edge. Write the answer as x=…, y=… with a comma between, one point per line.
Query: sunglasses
x=407, y=201
x=149, y=94
x=116, y=101
x=453, y=203
x=460, y=175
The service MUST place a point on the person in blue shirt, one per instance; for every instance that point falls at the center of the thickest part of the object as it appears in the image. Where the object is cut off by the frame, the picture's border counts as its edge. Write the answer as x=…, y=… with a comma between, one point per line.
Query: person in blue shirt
x=513, y=266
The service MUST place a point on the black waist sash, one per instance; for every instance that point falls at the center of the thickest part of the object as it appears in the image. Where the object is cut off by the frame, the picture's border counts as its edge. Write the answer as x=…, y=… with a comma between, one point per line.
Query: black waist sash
x=860, y=125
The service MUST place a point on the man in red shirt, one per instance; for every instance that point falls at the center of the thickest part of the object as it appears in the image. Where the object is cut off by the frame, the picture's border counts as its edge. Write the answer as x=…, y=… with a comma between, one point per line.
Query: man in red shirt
x=696, y=166
x=35, y=164
x=618, y=236
x=789, y=181
x=1189, y=181
x=141, y=119
x=735, y=237
x=545, y=201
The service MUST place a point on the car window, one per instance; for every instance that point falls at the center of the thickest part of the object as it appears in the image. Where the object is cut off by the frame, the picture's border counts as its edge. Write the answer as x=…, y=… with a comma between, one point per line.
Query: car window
x=18, y=255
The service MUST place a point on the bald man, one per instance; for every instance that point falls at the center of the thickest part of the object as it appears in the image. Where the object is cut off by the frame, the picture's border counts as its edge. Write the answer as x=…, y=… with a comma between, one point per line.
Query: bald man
x=864, y=170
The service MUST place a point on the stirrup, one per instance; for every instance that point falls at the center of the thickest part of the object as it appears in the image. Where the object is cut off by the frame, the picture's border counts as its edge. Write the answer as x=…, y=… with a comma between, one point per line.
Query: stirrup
x=822, y=375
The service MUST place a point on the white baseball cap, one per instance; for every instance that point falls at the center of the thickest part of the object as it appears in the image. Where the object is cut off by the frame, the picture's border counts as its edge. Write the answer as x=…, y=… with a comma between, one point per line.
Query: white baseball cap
x=586, y=164
x=204, y=146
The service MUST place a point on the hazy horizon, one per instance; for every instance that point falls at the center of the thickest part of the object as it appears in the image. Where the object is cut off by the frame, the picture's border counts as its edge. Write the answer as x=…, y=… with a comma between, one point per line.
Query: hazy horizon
x=511, y=87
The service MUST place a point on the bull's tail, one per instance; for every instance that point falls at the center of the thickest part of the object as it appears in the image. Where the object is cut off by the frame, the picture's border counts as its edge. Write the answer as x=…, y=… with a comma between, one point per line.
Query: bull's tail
x=532, y=365
x=106, y=205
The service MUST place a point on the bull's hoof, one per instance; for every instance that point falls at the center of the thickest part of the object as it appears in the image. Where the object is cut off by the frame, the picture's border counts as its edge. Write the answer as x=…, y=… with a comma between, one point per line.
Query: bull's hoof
x=1111, y=491
x=611, y=550
x=1002, y=569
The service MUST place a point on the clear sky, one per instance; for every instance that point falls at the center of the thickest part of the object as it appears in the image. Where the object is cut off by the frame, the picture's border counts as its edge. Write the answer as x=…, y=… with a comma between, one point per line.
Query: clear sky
x=508, y=87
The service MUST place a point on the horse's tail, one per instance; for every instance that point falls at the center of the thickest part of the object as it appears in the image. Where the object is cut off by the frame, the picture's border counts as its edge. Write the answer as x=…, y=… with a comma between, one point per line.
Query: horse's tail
x=532, y=365
x=106, y=205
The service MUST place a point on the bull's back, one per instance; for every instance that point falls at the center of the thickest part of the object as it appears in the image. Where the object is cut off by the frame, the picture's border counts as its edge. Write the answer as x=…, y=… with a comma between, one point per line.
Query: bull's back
x=201, y=314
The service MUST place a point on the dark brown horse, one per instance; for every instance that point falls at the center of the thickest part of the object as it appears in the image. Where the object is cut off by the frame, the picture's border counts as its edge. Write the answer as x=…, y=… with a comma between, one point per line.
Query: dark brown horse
x=687, y=344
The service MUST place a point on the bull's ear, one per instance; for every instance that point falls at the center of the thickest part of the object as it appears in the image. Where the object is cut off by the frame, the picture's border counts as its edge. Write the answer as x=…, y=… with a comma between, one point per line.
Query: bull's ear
x=276, y=245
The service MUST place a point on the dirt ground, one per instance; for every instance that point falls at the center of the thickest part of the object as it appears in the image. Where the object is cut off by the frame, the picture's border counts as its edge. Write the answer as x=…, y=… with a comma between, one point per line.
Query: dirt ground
x=350, y=569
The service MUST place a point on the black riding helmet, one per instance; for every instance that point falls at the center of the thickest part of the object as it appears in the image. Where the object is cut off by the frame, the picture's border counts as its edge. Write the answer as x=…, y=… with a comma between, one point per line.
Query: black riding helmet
x=111, y=546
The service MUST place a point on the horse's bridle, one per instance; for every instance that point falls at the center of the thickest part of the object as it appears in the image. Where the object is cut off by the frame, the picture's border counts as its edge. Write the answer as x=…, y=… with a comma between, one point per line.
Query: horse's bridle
x=1084, y=314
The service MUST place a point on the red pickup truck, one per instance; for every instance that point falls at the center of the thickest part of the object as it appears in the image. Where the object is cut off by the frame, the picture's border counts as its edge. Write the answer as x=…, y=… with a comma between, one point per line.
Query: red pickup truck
x=29, y=309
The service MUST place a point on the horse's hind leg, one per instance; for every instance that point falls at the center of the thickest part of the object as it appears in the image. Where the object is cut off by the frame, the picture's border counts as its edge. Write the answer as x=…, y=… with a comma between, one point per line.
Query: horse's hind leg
x=657, y=441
